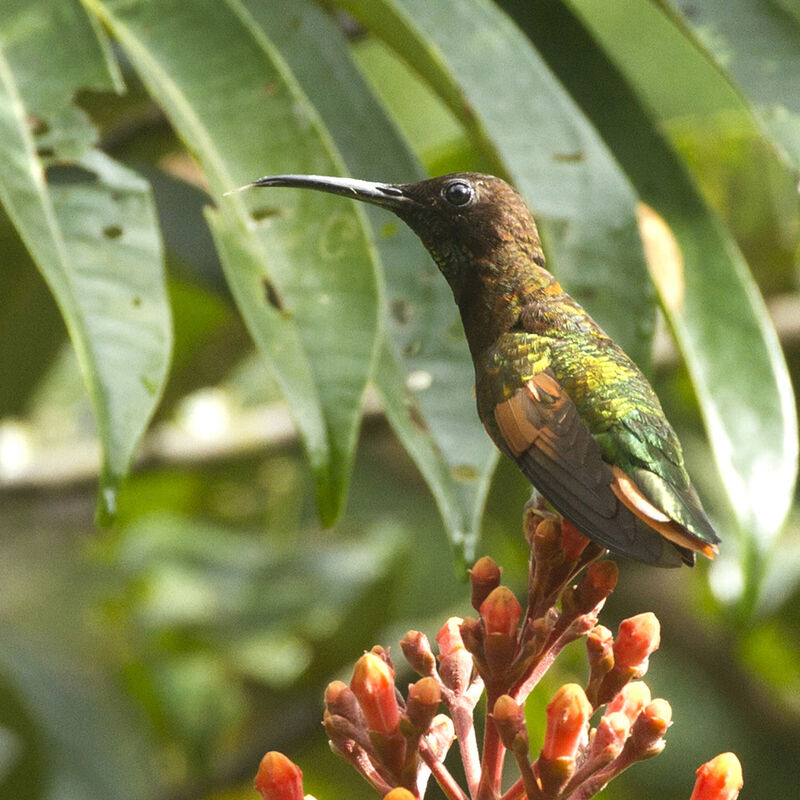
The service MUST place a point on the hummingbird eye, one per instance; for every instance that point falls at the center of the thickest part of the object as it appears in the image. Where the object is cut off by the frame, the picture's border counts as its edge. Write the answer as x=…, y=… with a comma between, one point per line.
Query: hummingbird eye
x=458, y=193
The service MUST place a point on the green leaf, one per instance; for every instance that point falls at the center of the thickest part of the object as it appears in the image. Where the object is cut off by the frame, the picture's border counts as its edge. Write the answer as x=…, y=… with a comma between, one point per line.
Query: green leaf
x=717, y=315
x=530, y=131
x=423, y=328
x=299, y=265
x=88, y=222
x=756, y=45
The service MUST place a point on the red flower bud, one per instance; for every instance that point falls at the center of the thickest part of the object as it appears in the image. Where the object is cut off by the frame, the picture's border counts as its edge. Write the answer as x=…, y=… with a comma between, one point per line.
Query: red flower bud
x=637, y=637
x=501, y=612
x=573, y=542
x=567, y=715
x=719, y=779
x=484, y=577
x=373, y=686
x=278, y=778
x=632, y=698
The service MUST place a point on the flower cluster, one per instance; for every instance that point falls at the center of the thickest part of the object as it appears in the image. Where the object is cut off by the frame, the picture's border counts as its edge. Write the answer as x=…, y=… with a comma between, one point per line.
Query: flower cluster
x=397, y=744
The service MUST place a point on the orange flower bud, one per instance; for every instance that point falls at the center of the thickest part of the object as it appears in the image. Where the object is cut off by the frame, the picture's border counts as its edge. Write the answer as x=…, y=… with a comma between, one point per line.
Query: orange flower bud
x=658, y=714
x=425, y=692
x=449, y=637
x=599, y=580
x=424, y=697
x=484, y=577
x=509, y=718
x=278, y=778
x=632, y=698
x=455, y=662
x=547, y=540
x=573, y=542
x=610, y=735
x=339, y=699
x=719, y=779
x=501, y=612
x=567, y=715
x=373, y=686
x=647, y=734
x=417, y=650
x=399, y=793
x=637, y=637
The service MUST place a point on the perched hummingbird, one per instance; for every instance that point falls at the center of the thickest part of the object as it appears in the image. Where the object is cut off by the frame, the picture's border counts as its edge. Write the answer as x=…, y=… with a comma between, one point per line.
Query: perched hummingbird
x=554, y=392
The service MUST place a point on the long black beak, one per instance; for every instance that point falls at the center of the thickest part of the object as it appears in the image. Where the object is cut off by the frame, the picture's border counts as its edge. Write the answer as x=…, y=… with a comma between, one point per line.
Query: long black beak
x=386, y=195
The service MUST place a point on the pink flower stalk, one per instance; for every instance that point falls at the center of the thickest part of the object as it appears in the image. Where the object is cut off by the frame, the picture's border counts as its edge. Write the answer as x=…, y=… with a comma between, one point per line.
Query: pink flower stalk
x=373, y=686
x=719, y=779
x=279, y=778
x=567, y=716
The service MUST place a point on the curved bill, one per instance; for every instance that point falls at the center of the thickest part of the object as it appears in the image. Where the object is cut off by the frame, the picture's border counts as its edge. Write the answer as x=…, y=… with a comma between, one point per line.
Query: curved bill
x=387, y=195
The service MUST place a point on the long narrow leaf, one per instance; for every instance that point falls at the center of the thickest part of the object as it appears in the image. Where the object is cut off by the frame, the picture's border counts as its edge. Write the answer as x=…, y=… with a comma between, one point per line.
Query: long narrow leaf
x=94, y=237
x=756, y=45
x=300, y=266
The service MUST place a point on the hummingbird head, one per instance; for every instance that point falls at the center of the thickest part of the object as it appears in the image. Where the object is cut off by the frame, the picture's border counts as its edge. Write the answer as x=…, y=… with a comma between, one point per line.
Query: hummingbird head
x=477, y=227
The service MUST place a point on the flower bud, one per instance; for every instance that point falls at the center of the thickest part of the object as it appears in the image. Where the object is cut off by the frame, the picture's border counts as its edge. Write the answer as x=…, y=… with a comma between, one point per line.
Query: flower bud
x=399, y=793
x=648, y=731
x=631, y=700
x=509, y=719
x=600, y=652
x=440, y=736
x=573, y=542
x=546, y=546
x=373, y=686
x=417, y=650
x=501, y=612
x=455, y=662
x=278, y=778
x=484, y=577
x=449, y=637
x=567, y=715
x=340, y=700
x=719, y=779
x=597, y=583
x=424, y=697
x=610, y=735
x=637, y=637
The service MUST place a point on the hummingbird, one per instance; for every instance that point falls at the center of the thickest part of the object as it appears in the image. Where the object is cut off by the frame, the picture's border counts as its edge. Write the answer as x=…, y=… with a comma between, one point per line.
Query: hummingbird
x=554, y=392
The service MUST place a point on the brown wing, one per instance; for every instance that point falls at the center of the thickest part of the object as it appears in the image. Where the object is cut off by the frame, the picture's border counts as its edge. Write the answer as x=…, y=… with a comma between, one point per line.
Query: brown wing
x=540, y=428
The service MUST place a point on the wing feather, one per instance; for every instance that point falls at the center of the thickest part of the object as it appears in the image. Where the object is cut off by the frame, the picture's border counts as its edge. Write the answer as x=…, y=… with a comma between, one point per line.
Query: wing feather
x=541, y=429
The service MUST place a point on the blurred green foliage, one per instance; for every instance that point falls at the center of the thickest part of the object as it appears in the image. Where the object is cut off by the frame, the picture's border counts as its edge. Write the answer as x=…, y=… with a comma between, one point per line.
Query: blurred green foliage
x=159, y=658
